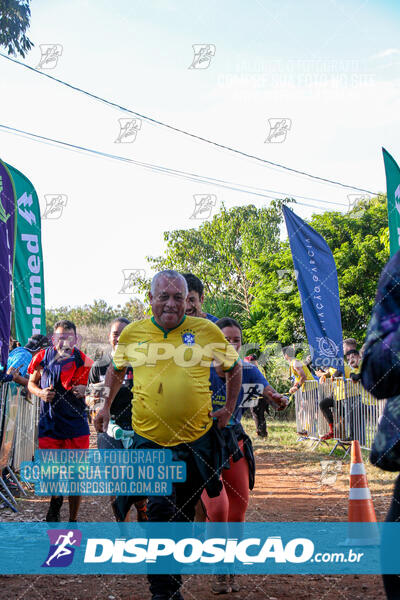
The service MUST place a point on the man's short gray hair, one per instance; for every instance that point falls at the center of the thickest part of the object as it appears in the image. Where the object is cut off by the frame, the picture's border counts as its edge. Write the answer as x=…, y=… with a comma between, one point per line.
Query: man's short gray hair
x=171, y=274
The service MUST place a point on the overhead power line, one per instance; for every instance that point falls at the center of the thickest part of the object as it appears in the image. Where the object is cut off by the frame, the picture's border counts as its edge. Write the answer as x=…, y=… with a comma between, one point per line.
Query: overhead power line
x=238, y=187
x=184, y=132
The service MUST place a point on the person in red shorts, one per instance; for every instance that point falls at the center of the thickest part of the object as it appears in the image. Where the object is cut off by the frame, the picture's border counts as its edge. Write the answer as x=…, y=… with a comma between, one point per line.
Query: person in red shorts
x=238, y=469
x=58, y=376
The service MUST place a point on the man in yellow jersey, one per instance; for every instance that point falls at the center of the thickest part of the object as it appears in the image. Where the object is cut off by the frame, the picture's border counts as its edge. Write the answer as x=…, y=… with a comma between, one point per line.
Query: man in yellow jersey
x=298, y=369
x=350, y=409
x=300, y=373
x=363, y=405
x=338, y=394
x=171, y=354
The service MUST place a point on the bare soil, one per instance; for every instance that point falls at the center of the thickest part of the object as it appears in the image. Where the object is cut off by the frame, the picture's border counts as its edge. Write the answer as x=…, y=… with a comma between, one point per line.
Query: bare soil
x=288, y=488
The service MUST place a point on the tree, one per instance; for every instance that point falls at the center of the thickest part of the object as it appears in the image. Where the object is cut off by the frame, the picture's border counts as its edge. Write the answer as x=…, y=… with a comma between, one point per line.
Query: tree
x=220, y=252
x=358, y=241
x=14, y=21
x=98, y=313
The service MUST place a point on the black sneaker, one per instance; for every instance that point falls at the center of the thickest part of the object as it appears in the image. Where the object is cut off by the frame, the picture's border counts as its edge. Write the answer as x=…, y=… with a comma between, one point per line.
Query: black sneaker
x=263, y=434
x=119, y=517
x=162, y=597
x=141, y=511
x=175, y=596
x=53, y=514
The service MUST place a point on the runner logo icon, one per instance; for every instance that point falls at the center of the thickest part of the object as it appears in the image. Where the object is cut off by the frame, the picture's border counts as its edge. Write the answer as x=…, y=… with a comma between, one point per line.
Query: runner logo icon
x=62, y=547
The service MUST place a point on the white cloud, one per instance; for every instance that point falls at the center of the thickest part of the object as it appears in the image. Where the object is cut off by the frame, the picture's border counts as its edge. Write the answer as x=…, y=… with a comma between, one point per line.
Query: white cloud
x=387, y=52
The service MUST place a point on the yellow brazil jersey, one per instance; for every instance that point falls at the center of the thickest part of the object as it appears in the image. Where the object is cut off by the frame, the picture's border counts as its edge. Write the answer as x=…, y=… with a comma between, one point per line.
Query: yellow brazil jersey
x=295, y=372
x=172, y=396
x=338, y=384
x=358, y=390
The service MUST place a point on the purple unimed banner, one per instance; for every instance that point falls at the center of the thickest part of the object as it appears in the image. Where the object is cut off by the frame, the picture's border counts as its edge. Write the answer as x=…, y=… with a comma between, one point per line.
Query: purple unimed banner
x=7, y=241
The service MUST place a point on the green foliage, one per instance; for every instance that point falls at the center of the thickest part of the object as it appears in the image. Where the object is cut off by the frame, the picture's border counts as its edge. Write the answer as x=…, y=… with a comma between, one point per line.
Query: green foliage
x=220, y=252
x=14, y=21
x=360, y=251
x=98, y=313
x=248, y=274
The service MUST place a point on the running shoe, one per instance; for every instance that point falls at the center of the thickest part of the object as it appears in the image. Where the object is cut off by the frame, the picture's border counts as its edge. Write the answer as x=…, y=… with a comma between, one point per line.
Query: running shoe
x=141, y=510
x=221, y=585
x=176, y=596
x=263, y=434
x=327, y=436
x=235, y=587
x=53, y=514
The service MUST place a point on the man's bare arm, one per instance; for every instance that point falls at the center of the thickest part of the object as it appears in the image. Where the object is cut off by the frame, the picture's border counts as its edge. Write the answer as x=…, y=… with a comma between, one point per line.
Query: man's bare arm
x=274, y=397
x=233, y=384
x=302, y=378
x=46, y=394
x=112, y=384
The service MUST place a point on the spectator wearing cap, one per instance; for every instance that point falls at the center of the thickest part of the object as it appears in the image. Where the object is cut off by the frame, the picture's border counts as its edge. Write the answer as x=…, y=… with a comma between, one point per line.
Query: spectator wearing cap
x=19, y=358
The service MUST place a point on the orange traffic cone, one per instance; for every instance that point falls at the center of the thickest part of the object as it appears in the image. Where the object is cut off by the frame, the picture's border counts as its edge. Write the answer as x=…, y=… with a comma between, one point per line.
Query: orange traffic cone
x=361, y=508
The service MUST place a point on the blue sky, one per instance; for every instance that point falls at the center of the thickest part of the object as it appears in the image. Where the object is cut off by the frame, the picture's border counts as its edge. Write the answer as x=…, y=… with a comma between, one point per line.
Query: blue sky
x=331, y=68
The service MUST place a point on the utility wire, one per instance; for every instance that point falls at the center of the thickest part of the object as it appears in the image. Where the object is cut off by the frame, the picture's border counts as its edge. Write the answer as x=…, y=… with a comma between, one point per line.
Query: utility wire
x=184, y=132
x=238, y=187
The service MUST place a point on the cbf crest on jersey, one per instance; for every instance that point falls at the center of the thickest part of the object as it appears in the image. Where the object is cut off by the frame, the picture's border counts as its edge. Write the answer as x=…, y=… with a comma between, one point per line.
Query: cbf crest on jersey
x=188, y=338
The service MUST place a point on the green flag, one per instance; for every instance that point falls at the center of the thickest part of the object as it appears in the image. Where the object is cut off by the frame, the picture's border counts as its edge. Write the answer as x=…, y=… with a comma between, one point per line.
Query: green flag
x=393, y=200
x=28, y=278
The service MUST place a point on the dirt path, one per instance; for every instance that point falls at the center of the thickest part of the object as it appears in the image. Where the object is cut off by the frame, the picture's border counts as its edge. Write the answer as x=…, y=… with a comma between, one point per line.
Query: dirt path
x=288, y=488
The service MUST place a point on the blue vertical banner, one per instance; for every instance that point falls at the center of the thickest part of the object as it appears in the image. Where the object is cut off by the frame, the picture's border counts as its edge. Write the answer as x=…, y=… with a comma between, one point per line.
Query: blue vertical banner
x=319, y=291
x=7, y=242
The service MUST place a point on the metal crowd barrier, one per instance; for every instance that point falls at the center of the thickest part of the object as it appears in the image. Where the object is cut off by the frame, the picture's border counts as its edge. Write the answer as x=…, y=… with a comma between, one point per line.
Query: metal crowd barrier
x=18, y=435
x=356, y=413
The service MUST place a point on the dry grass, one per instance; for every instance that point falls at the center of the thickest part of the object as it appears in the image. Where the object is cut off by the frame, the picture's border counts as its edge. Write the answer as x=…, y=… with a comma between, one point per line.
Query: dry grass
x=283, y=438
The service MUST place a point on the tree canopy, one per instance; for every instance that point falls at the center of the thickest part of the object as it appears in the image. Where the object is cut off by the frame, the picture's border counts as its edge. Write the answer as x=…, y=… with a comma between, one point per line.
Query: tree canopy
x=14, y=22
x=247, y=271
x=358, y=241
x=98, y=313
x=220, y=252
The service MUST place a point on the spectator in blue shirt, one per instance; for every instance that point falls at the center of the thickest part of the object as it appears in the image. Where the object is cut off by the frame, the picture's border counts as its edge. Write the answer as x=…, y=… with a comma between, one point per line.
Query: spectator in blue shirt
x=19, y=358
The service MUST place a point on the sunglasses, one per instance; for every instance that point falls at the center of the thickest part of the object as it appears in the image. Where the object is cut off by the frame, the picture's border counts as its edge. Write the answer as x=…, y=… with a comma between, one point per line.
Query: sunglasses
x=350, y=352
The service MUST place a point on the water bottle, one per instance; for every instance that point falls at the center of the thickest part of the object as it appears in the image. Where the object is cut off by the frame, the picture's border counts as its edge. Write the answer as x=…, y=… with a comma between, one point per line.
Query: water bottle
x=115, y=431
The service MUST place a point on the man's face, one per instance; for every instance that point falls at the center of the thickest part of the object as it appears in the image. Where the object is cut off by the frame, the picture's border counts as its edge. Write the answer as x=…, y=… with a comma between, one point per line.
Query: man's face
x=115, y=332
x=347, y=347
x=168, y=302
x=233, y=336
x=64, y=340
x=194, y=304
x=353, y=359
